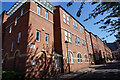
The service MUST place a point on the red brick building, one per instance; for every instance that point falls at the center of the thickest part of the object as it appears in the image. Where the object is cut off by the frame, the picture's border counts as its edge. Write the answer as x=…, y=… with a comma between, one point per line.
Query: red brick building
x=89, y=46
x=70, y=35
x=44, y=40
x=28, y=37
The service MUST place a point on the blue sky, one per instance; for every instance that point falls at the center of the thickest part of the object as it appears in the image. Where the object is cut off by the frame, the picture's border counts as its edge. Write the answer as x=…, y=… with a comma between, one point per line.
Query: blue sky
x=89, y=25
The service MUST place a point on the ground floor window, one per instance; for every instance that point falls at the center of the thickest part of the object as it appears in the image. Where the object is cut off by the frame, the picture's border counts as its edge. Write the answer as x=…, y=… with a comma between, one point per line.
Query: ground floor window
x=57, y=60
x=70, y=57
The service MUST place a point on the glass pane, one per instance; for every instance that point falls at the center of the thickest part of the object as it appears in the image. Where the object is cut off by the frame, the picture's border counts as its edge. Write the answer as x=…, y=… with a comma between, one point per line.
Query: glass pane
x=46, y=14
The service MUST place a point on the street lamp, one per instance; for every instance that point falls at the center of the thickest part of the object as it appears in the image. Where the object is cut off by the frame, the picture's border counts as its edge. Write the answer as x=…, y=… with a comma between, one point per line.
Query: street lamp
x=66, y=42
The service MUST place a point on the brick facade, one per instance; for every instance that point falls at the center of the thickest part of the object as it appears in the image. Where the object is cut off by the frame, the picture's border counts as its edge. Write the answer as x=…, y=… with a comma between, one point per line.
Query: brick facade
x=69, y=45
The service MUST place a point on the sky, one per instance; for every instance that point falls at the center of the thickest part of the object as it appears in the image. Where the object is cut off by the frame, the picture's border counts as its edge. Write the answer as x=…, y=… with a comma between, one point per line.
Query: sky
x=89, y=25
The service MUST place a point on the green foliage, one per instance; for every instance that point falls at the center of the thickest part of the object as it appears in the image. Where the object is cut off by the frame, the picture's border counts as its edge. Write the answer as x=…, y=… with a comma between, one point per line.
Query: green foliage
x=11, y=75
x=110, y=23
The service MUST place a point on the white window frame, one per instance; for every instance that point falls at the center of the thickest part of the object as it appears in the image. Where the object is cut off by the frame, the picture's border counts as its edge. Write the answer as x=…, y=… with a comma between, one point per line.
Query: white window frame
x=46, y=14
x=10, y=31
x=71, y=55
x=66, y=36
x=74, y=24
x=38, y=36
x=64, y=17
x=76, y=27
x=68, y=21
x=38, y=10
x=19, y=36
x=57, y=61
x=21, y=11
x=76, y=40
x=69, y=35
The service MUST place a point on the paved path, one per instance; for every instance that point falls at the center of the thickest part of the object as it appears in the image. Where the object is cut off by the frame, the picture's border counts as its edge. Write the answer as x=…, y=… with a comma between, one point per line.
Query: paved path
x=110, y=70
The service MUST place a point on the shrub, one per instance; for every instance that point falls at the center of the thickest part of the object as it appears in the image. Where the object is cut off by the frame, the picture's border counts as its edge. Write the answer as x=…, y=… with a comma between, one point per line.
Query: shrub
x=12, y=75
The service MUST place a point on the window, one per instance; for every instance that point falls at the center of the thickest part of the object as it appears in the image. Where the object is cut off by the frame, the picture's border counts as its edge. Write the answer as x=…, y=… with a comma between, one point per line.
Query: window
x=46, y=14
x=37, y=35
x=19, y=35
x=64, y=18
x=38, y=10
x=80, y=30
x=46, y=38
x=21, y=11
x=83, y=43
x=80, y=58
x=76, y=40
x=69, y=35
x=89, y=37
x=76, y=27
x=10, y=29
x=12, y=46
x=70, y=57
x=57, y=61
x=66, y=38
x=32, y=46
x=74, y=24
x=15, y=21
x=86, y=58
x=68, y=20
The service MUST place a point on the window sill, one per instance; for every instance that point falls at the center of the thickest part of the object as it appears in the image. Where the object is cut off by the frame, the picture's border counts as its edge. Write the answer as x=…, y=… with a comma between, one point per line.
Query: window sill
x=37, y=41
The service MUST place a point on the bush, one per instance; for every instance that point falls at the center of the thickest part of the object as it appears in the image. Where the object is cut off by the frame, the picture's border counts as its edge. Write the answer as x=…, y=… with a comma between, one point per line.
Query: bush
x=12, y=75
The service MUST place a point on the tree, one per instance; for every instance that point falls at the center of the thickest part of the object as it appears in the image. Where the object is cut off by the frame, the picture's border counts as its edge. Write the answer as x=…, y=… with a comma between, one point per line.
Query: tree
x=110, y=22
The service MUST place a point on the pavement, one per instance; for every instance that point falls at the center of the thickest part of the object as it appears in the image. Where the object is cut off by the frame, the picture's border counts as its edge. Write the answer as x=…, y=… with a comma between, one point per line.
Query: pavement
x=81, y=72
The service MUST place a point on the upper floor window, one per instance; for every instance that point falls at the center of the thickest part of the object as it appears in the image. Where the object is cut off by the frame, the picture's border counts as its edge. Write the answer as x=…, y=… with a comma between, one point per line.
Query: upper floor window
x=15, y=21
x=78, y=41
x=64, y=17
x=76, y=27
x=38, y=10
x=89, y=37
x=21, y=11
x=19, y=36
x=66, y=37
x=10, y=29
x=75, y=39
x=74, y=24
x=83, y=43
x=46, y=38
x=68, y=22
x=46, y=14
x=12, y=46
x=37, y=35
x=69, y=35
x=82, y=30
